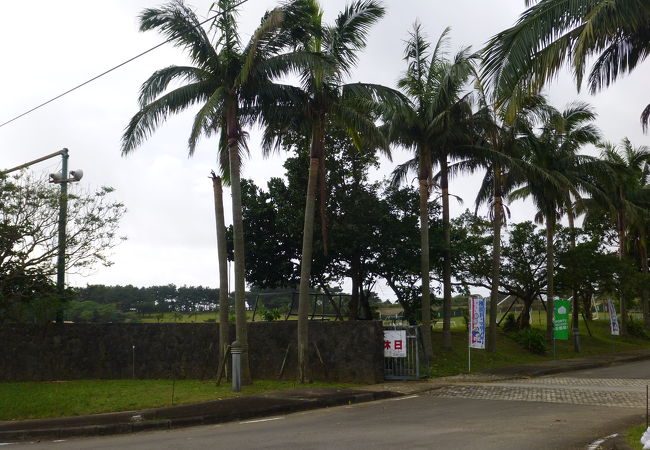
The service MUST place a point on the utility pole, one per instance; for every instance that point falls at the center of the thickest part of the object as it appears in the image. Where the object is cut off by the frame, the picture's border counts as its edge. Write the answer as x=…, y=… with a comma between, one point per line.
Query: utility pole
x=62, y=179
x=63, y=217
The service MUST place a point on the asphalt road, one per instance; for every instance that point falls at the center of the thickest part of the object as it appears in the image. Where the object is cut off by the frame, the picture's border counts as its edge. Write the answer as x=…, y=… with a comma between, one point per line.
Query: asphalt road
x=566, y=411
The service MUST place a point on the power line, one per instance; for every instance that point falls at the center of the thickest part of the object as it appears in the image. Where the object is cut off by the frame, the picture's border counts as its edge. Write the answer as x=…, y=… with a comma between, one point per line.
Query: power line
x=116, y=67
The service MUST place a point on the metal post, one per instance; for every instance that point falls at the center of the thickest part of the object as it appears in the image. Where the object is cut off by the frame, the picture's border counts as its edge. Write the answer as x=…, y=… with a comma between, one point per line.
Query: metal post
x=63, y=213
x=236, y=351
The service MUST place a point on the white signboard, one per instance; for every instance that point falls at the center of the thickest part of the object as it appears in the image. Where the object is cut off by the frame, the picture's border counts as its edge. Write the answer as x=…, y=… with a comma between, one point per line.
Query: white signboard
x=477, y=311
x=395, y=343
x=613, y=320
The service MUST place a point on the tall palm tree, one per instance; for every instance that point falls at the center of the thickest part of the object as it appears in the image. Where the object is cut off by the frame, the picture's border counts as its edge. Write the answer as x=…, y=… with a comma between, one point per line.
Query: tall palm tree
x=225, y=78
x=552, y=33
x=504, y=137
x=434, y=126
x=626, y=199
x=222, y=255
x=555, y=150
x=323, y=99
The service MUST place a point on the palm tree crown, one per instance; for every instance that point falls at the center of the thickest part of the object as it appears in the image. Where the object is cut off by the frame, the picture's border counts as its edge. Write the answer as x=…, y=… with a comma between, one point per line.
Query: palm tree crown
x=552, y=33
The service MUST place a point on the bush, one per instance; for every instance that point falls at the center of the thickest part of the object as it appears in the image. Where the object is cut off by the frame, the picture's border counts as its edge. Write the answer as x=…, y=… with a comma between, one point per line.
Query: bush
x=510, y=324
x=270, y=315
x=635, y=328
x=532, y=340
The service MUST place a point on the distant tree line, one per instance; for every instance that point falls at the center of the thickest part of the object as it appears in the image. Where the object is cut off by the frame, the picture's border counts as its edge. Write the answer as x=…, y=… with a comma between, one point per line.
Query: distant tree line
x=152, y=299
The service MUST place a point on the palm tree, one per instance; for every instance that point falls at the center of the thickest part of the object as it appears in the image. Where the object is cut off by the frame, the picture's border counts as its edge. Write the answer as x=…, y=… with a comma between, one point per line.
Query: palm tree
x=222, y=254
x=225, y=78
x=434, y=125
x=552, y=33
x=322, y=100
x=504, y=137
x=626, y=199
x=555, y=150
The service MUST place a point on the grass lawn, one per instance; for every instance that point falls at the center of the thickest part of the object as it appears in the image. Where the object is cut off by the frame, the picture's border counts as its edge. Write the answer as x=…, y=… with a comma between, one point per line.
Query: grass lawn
x=33, y=400
x=634, y=436
x=452, y=362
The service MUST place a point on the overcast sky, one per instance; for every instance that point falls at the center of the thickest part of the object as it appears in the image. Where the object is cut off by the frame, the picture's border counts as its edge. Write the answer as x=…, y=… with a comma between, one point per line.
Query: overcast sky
x=48, y=47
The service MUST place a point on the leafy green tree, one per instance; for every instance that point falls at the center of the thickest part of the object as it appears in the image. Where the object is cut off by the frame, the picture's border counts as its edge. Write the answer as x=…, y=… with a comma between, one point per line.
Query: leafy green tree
x=29, y=213
x=398, y=262
x=586, y=270
x=552, y=33
x=523, y=270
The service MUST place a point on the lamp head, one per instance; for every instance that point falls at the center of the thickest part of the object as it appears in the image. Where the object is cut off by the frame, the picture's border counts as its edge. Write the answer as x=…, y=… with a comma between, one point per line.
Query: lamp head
x=56, y=177
x=77, y=174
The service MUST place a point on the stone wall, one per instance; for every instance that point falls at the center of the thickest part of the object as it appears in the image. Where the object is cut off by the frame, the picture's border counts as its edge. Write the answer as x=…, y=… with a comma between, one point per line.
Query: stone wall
x=351, y=351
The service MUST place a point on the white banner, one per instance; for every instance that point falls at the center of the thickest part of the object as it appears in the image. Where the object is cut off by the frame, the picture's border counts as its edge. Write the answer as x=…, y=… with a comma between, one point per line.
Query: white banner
x=613, y=320
x=477, y=314
x=395, y=343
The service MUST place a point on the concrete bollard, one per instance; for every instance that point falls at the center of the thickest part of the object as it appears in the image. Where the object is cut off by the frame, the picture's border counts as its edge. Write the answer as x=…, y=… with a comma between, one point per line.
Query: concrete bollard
x=235, y=351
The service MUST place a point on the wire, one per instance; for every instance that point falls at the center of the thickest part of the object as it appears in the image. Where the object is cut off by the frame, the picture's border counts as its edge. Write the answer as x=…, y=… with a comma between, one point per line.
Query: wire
x=116, y=67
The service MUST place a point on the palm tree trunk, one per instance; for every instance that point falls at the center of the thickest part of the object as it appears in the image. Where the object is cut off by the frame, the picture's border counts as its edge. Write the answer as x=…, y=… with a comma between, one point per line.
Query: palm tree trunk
x=223, y=267
x=317, y=151
x=574, y=293
x=446, y=262
x=643, y=252
x=241, y=334
x=424, y=269
x=620, y=221
x=496, y=259
x=550, y=266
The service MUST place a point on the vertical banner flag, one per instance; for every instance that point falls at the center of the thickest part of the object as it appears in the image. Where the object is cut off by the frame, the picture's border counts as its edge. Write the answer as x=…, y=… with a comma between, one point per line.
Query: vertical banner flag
x=561, y=319
x=395, y=343
x=613, y=320
x=477, y=307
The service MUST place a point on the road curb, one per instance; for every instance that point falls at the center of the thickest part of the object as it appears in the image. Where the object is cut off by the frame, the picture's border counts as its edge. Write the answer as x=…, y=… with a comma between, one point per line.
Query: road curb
x=297, y=405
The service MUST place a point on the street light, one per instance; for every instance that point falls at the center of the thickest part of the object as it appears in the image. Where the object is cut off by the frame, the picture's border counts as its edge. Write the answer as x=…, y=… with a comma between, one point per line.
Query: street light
x=58, y=178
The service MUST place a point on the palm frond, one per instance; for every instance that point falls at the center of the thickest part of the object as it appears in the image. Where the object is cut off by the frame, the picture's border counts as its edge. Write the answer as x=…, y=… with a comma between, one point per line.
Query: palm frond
x=145, y=121
x=180, y=24
x=159, y=81
x=348, y=35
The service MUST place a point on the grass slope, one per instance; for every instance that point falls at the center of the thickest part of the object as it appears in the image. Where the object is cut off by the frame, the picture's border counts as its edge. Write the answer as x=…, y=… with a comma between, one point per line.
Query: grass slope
x=452, y=362
x=33, y=400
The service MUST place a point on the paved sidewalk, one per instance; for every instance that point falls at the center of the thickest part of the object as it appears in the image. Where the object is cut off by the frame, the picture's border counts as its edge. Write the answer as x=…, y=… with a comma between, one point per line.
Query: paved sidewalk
x=282, y=402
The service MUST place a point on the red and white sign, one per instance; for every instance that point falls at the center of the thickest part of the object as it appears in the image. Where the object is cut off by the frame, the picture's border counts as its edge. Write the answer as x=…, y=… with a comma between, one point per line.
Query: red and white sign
x=395, y=343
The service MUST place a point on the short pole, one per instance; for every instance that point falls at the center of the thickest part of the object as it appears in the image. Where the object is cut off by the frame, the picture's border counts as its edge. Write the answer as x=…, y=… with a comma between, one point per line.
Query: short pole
x=646, y=407
x=235, y=351
x=133, y=361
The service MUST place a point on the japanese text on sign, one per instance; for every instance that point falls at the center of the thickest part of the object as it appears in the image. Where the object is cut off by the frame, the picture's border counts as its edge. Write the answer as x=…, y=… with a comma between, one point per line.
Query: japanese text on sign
x=395, y=343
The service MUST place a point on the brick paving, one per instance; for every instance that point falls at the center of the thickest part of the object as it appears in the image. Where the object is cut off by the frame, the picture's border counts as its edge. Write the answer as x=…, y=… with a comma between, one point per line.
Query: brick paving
x=625, y=393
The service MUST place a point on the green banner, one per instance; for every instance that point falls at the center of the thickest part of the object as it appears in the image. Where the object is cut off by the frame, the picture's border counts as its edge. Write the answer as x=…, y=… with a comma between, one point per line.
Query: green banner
x=561, y=310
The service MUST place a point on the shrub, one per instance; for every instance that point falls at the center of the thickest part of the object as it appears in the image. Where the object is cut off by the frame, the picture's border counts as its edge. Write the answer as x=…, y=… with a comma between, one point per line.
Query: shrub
x=532, y=340
x=635, y=328
x=510, y=324
x=270, y=315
